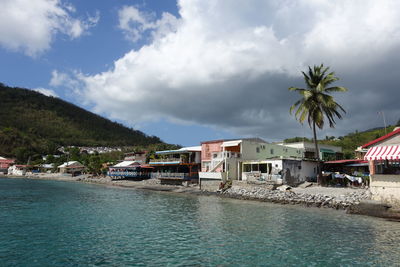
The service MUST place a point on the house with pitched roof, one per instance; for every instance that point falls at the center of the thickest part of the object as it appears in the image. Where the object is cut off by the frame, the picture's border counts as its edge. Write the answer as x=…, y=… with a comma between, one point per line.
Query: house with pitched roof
x=383, y=155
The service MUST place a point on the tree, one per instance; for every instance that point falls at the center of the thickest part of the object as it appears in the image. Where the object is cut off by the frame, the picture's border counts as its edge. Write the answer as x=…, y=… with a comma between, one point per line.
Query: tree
x=316, y=103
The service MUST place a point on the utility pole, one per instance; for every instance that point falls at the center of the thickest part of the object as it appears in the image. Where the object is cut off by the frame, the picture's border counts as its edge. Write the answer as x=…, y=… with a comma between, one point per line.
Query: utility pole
x=384, y=120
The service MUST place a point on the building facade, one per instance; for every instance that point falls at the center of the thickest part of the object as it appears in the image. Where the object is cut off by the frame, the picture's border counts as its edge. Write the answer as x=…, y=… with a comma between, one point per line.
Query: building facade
x=383, y=155
x=280, y=170
x=326, y=152
x=222, y=159
x=176, y=166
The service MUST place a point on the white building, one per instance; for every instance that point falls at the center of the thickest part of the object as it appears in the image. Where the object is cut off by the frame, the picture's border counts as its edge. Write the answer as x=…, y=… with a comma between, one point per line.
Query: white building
x=17, y=170
x=221, y=159
x=280, y=170
x=326, y=152
x=71, y=167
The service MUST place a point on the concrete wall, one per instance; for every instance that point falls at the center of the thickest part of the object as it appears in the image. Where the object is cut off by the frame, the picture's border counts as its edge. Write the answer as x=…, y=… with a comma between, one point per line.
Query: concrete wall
x=394, y=140
x=309, y=169
x=208, y=148
x=209, y=185
x=257, y=151
x=386, y=188
x=311, y=147
x=232, y=170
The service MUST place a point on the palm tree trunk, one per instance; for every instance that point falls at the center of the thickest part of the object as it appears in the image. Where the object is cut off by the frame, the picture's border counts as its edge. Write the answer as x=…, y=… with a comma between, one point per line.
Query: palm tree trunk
x=319, y=171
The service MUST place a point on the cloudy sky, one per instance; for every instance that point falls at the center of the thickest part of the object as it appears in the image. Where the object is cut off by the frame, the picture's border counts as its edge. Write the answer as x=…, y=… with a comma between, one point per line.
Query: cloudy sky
x=194, y=70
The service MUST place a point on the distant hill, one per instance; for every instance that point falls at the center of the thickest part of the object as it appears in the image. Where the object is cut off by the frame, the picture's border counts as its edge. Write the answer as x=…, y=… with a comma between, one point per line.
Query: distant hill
x=31, y=122
x=350, y=141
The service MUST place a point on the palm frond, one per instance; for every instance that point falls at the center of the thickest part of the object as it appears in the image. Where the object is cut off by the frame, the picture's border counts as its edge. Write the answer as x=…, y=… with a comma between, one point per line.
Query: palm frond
x=316, y=103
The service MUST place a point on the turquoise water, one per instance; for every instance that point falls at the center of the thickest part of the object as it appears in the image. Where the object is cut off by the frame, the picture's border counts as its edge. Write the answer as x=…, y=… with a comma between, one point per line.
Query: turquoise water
x=52, y=223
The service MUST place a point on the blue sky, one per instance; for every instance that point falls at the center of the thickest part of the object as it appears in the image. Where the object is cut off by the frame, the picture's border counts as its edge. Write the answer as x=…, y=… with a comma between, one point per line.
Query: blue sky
x=196, y=70
x=95, y=52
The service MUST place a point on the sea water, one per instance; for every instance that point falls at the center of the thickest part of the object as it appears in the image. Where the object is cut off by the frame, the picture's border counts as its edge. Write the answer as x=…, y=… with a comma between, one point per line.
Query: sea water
x=53, y=223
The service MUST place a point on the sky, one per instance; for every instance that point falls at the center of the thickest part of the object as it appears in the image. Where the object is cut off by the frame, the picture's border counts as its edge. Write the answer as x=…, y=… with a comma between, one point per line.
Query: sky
x=194, y=70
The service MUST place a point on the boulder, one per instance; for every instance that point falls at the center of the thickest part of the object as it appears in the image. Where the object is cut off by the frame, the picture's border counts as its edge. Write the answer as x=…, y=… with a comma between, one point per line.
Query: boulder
x=283, y=188
x=305, y=185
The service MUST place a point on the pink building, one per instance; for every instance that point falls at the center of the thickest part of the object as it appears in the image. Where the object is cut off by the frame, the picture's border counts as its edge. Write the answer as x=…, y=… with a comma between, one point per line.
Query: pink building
x=220, y=159
x=5, y=163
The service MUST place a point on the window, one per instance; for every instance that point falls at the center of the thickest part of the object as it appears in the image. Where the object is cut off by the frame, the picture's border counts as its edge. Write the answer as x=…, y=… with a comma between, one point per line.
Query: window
x=247, y=167
x=272, y=151
x=263, y=167
x=299, y=167
x=257, y=149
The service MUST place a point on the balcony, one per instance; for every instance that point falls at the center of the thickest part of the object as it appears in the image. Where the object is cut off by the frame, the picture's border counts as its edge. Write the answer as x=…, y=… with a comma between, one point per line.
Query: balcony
x=225, y=155
x=168, y=161
x=172, y=175
x=213, y=175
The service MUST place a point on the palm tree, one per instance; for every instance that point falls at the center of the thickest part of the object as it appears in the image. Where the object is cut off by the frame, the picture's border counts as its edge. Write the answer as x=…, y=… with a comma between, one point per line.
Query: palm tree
x=316, y=103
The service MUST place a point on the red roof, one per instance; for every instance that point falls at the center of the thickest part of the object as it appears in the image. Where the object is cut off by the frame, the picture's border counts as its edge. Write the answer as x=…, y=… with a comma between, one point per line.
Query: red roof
x=381, y=138
x=342, y=161
x=7, y=161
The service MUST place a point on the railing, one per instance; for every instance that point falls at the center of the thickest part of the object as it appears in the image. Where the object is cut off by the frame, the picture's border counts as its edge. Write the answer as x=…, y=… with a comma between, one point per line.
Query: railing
x=128, y=174
x=179, y=160
x=225, y=154
x=212, y=175
x=253, y=176
x=177, y=175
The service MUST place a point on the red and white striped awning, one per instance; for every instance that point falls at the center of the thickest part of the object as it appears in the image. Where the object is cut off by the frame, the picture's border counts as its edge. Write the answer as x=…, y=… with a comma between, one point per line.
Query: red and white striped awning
x=383, y=152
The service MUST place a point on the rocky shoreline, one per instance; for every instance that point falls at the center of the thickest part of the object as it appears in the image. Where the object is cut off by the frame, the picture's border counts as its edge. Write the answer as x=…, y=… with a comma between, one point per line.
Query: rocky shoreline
x=342, y=202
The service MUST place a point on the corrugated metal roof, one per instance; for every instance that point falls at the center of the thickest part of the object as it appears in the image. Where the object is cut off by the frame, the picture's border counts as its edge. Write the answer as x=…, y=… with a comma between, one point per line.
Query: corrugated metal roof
x=65, y=164
x=342, y=161
x=181, y=150
x=127, y=163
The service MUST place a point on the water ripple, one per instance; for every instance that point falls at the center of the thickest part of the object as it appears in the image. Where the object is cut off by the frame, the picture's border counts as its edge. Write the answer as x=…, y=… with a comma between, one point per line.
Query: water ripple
x=49, y=223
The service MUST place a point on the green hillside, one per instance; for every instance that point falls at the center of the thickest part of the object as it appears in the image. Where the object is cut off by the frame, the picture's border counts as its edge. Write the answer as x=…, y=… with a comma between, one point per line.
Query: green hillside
x=350, y=141
x=32, y=123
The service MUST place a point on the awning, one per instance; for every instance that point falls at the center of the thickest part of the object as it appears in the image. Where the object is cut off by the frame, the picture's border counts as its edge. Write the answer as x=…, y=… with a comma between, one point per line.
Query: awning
x=327, y=150
x=383, y=153
x=231, y=143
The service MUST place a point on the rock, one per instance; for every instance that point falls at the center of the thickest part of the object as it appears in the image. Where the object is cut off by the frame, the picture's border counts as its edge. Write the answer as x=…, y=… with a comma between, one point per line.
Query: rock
x=283, y=188
x=305, y=185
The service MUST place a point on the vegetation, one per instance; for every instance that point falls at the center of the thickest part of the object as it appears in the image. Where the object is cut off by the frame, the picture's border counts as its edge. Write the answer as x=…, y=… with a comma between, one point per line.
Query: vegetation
x=349, y=142
x=316, y=103
x=32, y=124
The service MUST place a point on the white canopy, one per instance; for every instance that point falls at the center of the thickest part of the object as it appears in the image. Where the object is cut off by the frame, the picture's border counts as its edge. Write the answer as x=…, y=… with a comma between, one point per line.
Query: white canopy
x=231, y=143
x=70, y=163
x=127, y=163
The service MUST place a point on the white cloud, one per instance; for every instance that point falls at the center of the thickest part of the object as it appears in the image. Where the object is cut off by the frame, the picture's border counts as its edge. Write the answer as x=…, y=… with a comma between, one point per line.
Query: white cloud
x=31, y=25
x=46, y=92
x=228, y=64
x=71, y=82
x=134, y=23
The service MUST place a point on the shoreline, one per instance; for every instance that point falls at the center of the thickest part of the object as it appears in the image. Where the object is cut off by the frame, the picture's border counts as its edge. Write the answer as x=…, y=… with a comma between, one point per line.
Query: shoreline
x=353, y=201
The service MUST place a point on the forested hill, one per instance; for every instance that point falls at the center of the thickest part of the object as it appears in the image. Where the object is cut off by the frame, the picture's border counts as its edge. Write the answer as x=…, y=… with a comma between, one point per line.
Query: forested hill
x=32, y=122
